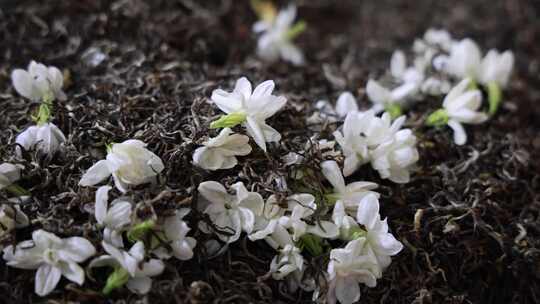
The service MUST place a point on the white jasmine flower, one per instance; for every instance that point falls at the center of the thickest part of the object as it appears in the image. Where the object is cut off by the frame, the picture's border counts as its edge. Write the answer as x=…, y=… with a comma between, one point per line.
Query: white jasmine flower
x=113, y=218
x=253, y=108
x=9, y=174
x=52, y=257
x=382, y=243
x=129, y=162
x=11, y=217
x=459, y=106
x=301, y=207
x=176, y=230
x=394, y=159
x=267, y=222
x=440, y=38
x=464, y=60
x=231, y=213
x=130, y=268
x=362, y=133
x=383, y=98
x=220, y=152
x=46, y=138
x=277, y=36
x=434, y=86
x=288, y=261
x=496, y=68
x=39, y=82
x=349, y=195
x=348, y=268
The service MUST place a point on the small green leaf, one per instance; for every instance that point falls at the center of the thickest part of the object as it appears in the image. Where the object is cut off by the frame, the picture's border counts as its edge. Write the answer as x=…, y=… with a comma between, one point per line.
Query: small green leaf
x=494, y=97
x=312, y=243
x=228, y=121
x=394, y=110
x=437, y=118
x=137, y=232
x=116, y=279
x=297, y=29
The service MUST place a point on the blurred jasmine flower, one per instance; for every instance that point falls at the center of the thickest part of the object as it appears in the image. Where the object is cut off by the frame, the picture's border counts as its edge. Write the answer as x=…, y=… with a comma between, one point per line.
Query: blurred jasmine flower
x=52, y=257
x=46, y=138
x=494, y=73
x=382, y=243
x=348, y=268
x=11, y=217
x=9, y=174
x=459, y=106
x=220, y=152
x=113, y=218
x=392, y=101
x=129, y=268
x=39, y=82
x=251, y=108
x=231, y=213
x=129, y=162
x=176, y=230
x=277, y=35
x=346, y=224
x=464, y=60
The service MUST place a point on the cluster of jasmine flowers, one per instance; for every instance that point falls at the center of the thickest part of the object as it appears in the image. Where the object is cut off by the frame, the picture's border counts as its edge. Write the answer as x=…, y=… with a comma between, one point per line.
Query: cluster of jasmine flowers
x=130, y=164
x=444, y=66
x=335, y=219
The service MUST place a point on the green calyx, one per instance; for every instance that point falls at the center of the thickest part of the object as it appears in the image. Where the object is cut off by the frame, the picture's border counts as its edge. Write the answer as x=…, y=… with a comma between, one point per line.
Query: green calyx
x=357, y=233
x=332, y=198
x=394, y=110
x=229, y=120
x=311, y=243
x=116, y=279
x=438, y=118
x=494, y=97
x=137, y=232
x=43, y=114
x=297, y=29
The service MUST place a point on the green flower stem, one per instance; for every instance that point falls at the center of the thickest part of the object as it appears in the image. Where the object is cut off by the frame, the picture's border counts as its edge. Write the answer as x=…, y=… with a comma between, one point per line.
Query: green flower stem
x=494, y=97
x=297, y=29
x=137, y=232
x=229, y=121
x=116, y=279
x=394, y=110
x=438, y=118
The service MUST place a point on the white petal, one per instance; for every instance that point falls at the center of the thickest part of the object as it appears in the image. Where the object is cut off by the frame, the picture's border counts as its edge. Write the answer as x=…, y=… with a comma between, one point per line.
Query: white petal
x=140, y=285
x=460, y=136
x=23, y=83
x=72, y=272
x=243, y=86
x=254, y=130
x=368, y=211
x=331, y=171
x=97, y=173
x=398, y=64
x=78, y=249
x=47, y=277
x=345, y=104
x=377, y=93
x=213, y=192
x=28, y=137
x=151, y=268
x=347, y=291
x=102, y=200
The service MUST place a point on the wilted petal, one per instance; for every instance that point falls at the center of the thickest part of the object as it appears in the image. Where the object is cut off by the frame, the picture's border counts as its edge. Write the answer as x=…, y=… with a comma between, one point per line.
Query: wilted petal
x=96, y=174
